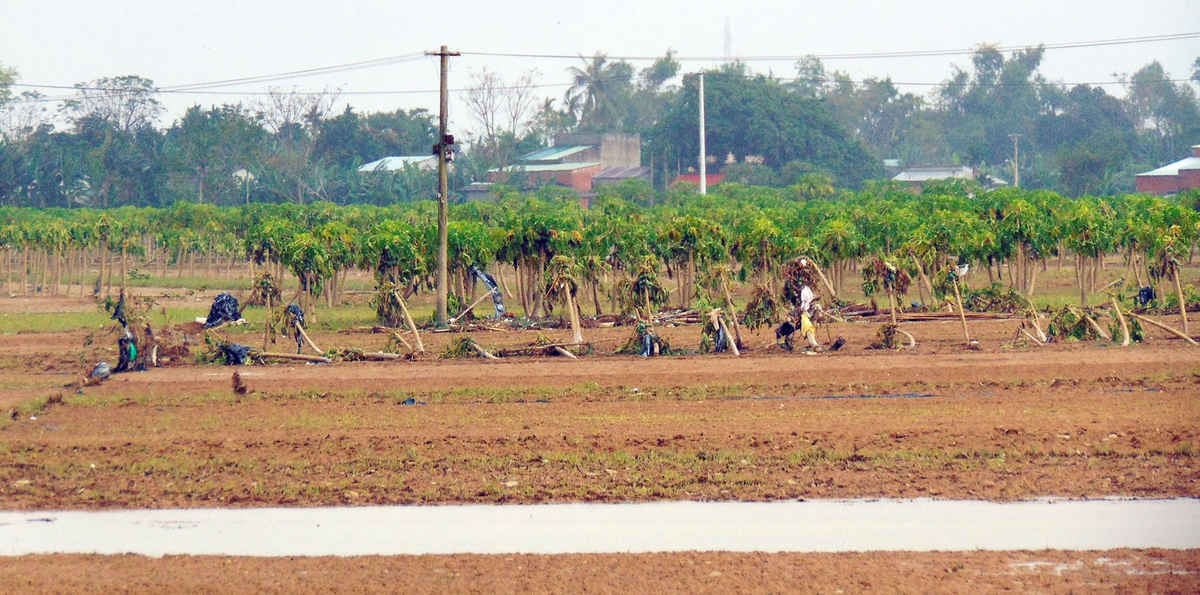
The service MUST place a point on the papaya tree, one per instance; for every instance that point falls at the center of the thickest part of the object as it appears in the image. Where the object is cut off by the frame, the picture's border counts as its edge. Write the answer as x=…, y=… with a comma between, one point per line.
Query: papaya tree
x=471, y=244
x=561, y=285
x=394, y=250
x=1089, y=234
x=689, y=242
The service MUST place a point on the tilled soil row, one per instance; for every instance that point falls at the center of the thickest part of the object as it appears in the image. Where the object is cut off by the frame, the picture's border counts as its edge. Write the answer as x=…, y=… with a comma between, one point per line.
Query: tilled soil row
x=1069, y=439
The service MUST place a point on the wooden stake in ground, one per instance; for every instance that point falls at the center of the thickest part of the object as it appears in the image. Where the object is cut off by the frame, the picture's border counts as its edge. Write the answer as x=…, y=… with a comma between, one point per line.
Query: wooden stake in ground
x=962, y=314
x=737, y=333
x=471, y=307
x=412, y=326
x=1121, y=319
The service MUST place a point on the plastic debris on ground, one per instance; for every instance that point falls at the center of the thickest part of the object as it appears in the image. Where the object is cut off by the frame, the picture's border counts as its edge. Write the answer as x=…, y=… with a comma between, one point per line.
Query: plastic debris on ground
x=497, y=297
x=296, y=321
x=224, y=309
x=101, y=371
x=234, y=354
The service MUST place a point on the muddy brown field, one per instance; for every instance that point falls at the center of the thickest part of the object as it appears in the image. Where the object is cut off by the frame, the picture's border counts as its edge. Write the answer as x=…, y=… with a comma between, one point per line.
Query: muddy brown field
x=1005, y=421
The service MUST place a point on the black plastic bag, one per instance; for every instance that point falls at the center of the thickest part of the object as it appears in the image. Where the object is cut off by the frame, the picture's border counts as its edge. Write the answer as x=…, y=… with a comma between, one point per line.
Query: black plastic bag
x=296, y=321
x=234, y=354
x=127, y=348
x=224, y=309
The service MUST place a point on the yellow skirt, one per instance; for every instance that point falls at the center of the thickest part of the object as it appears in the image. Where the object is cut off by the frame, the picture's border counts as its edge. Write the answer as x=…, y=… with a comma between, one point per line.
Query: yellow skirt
x=806, y=326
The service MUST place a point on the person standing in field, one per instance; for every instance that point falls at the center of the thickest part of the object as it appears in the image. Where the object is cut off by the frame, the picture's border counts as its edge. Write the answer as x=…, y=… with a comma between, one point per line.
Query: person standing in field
x=808, y=331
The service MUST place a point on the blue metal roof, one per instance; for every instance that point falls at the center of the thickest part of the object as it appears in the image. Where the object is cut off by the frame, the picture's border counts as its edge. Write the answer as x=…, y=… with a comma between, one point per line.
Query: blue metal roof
x=553, y=153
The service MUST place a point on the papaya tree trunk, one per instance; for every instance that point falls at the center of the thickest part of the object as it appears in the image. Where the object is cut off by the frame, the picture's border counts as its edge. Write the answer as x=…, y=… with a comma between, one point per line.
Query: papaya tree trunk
x=892, y=305
x=1182, y=302
x=596, y=296
x=1081, y=278
x=573, y=311
x=124, y=265
x=1032, y=281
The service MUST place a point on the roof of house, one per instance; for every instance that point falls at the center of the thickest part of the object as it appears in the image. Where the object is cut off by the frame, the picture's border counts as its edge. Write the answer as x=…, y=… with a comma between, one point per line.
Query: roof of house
x=546, y=167
x=395, y=163
x=553, y=154
x=623, y=172
x=924, y=174
x=1173, y=169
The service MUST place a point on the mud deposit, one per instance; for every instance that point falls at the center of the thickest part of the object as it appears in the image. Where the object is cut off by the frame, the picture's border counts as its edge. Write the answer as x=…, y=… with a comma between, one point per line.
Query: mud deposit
x=1002, y=423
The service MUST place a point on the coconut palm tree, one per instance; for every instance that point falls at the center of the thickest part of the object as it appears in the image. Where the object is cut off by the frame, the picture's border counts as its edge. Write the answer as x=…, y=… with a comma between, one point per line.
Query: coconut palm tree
x=600, y=93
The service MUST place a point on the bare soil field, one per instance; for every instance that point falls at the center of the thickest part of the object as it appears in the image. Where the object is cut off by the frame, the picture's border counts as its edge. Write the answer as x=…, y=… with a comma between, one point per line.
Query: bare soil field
x=1003, y=421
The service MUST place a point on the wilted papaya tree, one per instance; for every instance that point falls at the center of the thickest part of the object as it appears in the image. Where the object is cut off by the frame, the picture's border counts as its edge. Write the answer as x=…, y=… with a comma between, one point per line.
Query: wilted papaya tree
x=561, y=286
x=470, y=244
x=394, y=251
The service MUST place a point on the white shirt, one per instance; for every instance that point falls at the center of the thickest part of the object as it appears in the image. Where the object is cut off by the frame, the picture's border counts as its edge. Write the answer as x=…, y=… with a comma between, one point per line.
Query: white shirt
x=806, y=298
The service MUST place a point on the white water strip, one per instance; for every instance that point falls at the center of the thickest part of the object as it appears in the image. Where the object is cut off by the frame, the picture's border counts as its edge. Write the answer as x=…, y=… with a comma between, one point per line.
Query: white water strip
x=786, y=526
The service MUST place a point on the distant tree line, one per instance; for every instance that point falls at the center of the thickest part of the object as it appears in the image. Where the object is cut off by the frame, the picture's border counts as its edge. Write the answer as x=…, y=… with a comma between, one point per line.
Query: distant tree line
x=819, y=128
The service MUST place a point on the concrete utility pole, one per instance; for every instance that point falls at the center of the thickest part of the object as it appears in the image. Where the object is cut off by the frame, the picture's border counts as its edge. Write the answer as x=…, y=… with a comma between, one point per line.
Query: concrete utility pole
x=443, y=149
x=703, y=151
x=1016, y=162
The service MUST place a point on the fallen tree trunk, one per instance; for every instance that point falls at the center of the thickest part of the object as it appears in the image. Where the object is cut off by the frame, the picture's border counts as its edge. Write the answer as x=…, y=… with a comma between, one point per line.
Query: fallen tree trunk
x=291, y=356
x=564, y=352
x=307, y=339
x=1162, y=326
x=382, y=356
x=482, y=351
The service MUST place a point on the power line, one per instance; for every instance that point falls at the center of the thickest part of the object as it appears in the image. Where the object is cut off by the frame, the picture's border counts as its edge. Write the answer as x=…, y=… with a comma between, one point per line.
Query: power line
x=457, y=90
x=207, y=88
x=297, y=73
x=858, y=55
x=460, y=90
x=390, y=60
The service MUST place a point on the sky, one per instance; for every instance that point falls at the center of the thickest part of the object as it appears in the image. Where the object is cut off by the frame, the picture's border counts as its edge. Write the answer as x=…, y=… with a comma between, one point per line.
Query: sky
x=58, y=43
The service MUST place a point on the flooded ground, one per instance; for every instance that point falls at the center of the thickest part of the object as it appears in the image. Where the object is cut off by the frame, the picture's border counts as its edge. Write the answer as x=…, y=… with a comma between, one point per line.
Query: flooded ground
x=787, y=526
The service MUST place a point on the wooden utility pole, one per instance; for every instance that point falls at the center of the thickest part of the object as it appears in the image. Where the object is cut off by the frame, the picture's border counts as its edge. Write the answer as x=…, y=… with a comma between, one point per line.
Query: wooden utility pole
x=443, y=150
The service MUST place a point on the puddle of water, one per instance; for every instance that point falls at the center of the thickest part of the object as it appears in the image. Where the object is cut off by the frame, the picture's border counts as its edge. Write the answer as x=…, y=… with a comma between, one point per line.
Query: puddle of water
x=786, y=526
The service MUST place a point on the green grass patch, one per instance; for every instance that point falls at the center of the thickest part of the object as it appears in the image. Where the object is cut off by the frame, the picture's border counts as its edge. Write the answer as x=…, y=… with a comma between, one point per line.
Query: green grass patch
x=51, y=322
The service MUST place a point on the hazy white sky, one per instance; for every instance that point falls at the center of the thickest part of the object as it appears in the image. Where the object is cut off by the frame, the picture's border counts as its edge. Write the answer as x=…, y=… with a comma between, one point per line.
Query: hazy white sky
x=63, y=42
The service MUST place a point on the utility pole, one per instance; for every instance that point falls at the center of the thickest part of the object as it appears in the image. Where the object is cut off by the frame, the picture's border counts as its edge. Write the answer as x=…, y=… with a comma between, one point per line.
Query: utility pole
x=1016, y=163
x=703, y=156
x=444, y=151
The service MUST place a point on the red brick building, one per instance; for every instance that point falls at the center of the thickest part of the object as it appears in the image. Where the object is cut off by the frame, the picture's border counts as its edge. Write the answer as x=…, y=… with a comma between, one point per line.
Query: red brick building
x=576, y=160
x=1173, y=177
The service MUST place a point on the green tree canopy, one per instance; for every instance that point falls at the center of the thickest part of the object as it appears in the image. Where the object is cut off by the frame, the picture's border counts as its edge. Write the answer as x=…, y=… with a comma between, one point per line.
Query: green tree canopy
x=757, y=116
